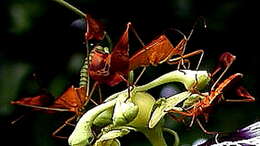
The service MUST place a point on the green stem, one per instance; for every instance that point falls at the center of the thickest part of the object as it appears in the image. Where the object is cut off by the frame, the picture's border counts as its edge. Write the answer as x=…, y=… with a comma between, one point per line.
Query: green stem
x=175, y=134
x=174, y=76
x=72, y=8
x=155, y=135
x=189, y=78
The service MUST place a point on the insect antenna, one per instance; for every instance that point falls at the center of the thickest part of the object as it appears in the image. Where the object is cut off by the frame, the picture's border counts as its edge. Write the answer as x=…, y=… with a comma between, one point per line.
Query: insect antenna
x=191, y=32
x=196, y=23
x=189, y=36
x=186, y=39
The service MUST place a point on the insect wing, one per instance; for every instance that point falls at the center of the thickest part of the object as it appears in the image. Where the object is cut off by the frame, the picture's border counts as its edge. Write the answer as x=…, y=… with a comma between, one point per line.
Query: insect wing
x=95, y=29
x=40, y=100
x=72, y=99
x=241, y=91
x=152, y=54
x=120, y=55
x=225, y=60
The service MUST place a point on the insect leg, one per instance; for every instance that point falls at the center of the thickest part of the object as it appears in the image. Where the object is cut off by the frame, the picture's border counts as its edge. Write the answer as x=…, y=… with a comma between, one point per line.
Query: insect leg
x=92, y=91
x=242, y=92
x=67, y=122
x=139, y=76
x=137, y=36
x=249, y=99
x=18, y=119
x=178, y=59
x=181, y=112
x=143, y=45
x=203, y=129
x=100, y=94
x=178, y=119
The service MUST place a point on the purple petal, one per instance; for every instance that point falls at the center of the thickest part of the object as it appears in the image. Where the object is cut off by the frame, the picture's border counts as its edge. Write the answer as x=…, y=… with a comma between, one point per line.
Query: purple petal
x=246, y=136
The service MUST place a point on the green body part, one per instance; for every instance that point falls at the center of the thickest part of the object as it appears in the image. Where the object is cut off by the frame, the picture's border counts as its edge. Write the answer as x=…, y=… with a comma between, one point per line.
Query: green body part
x=84, y=73
x=84, y=76
x=189, y=102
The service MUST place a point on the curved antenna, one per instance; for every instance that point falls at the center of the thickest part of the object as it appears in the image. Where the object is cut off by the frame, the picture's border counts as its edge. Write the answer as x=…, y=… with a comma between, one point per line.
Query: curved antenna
x=196, y=23
x=178, y=31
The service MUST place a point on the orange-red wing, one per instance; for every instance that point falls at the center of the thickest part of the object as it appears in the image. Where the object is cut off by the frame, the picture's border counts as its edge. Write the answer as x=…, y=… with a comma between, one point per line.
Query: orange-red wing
x=154, y=53
x=40, y=100
x=241, y=91
x=72, y=99
x=95, y=29
x=224, y=61
x=119, y=61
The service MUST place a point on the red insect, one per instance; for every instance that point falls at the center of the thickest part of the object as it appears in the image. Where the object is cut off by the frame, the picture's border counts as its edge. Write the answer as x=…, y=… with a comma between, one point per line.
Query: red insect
x=112, y=68
x=202, y=107
x=161, y=50
x=72, y=100
x=216, y=94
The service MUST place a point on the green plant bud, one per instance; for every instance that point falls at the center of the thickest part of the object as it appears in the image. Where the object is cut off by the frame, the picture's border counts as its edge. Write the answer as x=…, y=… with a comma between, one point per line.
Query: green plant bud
x=104, y=118
x=124, y=112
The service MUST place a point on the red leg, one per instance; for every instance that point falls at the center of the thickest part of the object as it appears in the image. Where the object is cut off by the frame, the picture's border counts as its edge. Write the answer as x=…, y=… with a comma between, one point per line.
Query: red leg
x=67, y=122
x=92, y=91
x=203, y=129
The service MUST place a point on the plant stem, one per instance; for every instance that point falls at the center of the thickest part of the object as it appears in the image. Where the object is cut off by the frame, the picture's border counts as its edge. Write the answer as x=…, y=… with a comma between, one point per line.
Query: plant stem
x=175, y=134
x=155, y=135
x=72, y=8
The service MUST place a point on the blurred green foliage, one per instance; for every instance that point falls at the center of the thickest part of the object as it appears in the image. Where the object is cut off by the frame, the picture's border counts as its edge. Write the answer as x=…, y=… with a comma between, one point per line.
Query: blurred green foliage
x=36, y=39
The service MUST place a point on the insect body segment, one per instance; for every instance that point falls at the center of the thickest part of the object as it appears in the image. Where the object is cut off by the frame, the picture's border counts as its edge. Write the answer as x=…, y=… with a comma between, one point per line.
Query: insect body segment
x=111, y=68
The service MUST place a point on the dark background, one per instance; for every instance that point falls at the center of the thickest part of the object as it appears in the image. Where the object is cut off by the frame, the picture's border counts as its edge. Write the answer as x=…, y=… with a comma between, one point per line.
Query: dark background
x=36, y=38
